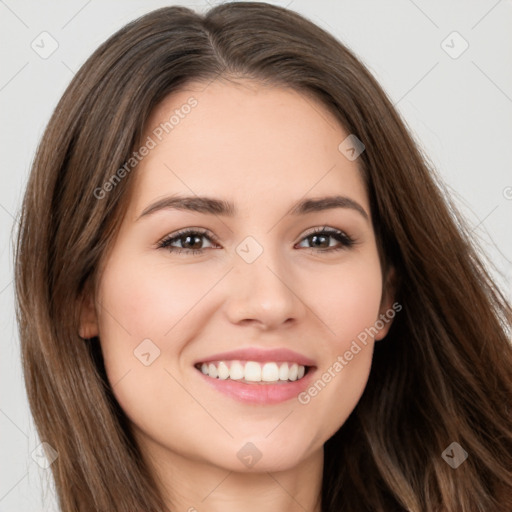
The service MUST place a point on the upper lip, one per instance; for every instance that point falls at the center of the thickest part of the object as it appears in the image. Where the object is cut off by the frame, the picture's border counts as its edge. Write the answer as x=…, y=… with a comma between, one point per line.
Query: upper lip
x=279, y=355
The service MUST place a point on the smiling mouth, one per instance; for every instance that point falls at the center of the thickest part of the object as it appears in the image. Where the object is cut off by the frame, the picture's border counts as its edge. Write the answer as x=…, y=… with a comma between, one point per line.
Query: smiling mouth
x=251, y=372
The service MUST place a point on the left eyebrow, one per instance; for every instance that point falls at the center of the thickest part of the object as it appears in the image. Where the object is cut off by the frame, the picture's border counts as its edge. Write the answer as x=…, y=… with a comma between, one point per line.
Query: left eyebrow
x=327, y=203
x=198, y=204
x=213, y=206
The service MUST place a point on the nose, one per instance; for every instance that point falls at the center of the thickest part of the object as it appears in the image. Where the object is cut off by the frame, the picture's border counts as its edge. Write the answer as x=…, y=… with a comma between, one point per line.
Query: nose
x=264, y=292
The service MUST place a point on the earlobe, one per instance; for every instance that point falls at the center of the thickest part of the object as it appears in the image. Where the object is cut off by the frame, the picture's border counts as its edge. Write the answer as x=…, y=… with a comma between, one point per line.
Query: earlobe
x=88, y=327
x=387, y=309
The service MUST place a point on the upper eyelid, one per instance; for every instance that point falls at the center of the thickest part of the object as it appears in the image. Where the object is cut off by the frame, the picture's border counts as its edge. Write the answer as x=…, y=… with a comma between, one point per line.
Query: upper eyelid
x=186, y=231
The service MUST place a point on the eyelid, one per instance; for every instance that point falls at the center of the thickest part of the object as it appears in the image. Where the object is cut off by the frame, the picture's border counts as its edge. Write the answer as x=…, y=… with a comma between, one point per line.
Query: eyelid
x=185, y=231
x=348, y=240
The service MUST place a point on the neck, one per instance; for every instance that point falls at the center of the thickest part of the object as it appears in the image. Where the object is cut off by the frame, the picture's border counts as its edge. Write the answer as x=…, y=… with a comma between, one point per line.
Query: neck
x=197, y=486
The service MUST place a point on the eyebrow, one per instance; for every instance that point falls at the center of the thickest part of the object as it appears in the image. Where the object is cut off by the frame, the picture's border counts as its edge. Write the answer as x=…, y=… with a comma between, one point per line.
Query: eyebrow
x=213, y=206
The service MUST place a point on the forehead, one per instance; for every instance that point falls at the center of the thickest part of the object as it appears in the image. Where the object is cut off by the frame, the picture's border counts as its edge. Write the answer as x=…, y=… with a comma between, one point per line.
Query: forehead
x=246, y=142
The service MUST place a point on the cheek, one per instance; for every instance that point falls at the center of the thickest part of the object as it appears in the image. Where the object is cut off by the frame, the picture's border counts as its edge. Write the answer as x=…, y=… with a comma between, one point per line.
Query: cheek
x=143, y=315
x=347, y=302
x=140, y=301
x=348, y=299
x=132, y=320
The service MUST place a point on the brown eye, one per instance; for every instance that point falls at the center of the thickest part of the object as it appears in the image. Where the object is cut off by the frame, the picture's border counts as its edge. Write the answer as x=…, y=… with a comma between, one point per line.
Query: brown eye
x=188, y=240
x=320, y=239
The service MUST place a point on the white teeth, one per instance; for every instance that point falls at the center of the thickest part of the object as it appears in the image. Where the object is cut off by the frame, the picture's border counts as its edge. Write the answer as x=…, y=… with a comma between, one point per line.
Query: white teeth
x=212, y=370
x=283, y=371
x=252, y=371
x=223, y=371
x=270, y=372
x=236, y=372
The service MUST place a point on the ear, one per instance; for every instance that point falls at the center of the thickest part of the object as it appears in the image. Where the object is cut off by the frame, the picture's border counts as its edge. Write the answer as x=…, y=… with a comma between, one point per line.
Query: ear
x=88, y=319
x=388, y=308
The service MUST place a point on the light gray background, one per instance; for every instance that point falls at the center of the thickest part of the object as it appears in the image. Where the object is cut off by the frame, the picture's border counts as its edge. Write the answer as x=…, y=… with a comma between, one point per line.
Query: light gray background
x=458, y=109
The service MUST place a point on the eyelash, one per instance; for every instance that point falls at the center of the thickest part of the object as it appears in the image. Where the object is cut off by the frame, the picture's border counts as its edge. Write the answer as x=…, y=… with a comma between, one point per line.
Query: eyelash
x=345, y=240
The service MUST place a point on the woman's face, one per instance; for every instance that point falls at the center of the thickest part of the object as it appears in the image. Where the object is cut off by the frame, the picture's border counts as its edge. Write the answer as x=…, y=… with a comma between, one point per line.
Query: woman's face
x=261, y=296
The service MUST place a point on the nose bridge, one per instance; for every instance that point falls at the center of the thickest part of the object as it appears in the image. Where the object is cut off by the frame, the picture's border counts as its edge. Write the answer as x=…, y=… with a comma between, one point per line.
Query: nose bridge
x=262, y=289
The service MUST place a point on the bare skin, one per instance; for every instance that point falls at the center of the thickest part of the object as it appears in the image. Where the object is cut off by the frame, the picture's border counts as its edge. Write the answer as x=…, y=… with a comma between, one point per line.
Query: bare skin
x=263, y=149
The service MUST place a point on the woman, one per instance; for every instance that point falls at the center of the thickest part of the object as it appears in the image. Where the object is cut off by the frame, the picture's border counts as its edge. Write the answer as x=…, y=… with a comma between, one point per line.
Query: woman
x=240, y=286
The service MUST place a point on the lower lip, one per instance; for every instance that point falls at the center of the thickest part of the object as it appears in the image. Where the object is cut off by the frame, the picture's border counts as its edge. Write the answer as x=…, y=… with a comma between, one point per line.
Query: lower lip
x=260, y=393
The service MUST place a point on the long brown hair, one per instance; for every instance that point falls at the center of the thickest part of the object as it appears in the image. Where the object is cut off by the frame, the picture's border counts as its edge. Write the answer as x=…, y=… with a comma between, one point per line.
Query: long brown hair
x=442, y=375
